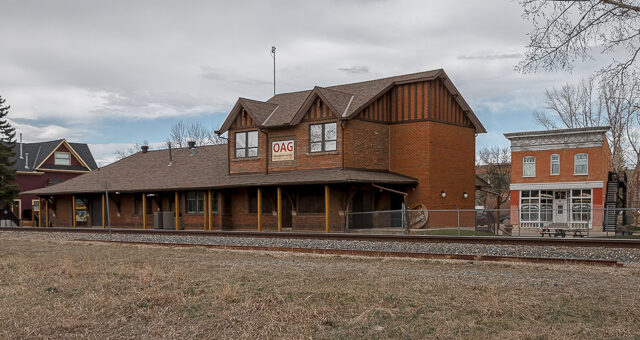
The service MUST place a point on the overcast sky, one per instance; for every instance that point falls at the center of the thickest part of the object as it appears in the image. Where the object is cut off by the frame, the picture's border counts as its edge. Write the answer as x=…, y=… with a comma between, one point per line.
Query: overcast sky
x=113, y=73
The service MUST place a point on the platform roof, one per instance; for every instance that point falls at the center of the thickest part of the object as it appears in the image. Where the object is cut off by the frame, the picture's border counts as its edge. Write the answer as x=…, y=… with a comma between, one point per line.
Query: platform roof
x=203, y=168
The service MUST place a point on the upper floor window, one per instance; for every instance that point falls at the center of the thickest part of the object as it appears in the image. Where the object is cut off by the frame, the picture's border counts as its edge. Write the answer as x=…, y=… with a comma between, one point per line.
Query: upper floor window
x=247, y=144
x=323, y=137
x=62, y=158
x=555, y=164
x=581, y=164
x=529, y=166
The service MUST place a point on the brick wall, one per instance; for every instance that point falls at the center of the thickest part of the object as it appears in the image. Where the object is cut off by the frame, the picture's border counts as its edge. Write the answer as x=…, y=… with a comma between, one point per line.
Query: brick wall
x=366, y=145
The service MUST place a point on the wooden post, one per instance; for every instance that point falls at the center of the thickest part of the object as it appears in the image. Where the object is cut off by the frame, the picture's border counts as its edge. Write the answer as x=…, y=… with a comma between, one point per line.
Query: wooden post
x=210, y=209
x=259, y=210
x=177, y=204
x=103, y=217
x=144, y=211
x=279, y=209
x=326, y=208
x=73, y=210
x=39, y=212
x=204, y=213
x=46, y=213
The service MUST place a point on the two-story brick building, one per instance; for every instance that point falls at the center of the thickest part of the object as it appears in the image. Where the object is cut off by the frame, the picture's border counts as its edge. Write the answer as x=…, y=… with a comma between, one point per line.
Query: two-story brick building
x=304, y=160
x=558, y=177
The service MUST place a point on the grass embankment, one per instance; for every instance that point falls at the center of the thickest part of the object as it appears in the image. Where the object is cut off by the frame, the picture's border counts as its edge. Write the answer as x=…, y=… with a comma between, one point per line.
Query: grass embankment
x=54, y=289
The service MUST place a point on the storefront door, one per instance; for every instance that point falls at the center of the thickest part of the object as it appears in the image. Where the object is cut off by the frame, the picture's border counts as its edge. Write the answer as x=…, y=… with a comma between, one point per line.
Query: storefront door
x=560, y=207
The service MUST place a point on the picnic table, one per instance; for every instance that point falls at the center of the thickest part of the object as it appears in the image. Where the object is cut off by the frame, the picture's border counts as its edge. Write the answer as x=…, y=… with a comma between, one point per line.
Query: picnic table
x=561, y=232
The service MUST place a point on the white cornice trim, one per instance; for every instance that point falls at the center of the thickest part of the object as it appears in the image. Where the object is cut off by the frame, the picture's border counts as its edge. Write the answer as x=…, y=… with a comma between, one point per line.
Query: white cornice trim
x=557, y=185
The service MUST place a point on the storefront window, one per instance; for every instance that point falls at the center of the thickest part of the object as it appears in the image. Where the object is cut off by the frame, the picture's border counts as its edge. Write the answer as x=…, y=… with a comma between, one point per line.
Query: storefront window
x=536, y=206
x=581, y=205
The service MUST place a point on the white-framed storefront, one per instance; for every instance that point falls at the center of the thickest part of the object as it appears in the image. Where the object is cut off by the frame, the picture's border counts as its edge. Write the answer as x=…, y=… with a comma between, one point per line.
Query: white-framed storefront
x=559, y=204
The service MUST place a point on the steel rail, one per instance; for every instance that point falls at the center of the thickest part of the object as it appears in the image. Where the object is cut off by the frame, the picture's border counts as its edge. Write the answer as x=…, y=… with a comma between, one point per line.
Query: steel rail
x=492, y=240
x=377, y=253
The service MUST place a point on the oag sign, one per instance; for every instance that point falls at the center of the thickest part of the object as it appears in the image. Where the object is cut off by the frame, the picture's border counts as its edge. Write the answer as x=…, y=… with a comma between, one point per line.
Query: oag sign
x=283, y=150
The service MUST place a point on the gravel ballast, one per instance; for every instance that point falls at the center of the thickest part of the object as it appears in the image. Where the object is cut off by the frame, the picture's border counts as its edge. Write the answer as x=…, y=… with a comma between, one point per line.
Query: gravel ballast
x=622, y=255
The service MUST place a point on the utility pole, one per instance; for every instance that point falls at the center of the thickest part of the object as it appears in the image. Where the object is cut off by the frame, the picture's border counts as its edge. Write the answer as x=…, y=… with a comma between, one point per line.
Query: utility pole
x=273, y=54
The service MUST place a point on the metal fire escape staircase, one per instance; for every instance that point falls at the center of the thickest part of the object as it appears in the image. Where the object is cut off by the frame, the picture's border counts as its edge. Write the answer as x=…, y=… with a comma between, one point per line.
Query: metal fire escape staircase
x=615, y=198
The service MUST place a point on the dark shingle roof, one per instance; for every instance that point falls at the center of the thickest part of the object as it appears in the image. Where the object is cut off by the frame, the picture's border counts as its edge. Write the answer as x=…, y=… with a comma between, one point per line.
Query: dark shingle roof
x=346, y=99
x=38, y=151
x=207, y=168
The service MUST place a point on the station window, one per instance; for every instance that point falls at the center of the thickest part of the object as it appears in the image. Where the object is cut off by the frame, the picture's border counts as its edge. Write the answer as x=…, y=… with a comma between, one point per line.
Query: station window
x=246, y=144
x=555, y=164
x=62, y=158
x=311, y=200
x=529, y=166
x=267, y=204
x=323, y=137
x=581, y=164
x=195, y=202
x=536, y=206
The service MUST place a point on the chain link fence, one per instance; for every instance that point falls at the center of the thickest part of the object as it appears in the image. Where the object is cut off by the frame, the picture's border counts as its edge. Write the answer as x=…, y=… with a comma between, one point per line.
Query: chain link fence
x=527, y=221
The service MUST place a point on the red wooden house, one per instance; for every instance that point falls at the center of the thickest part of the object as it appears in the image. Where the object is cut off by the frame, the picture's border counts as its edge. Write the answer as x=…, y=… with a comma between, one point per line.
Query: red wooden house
x=43, y=164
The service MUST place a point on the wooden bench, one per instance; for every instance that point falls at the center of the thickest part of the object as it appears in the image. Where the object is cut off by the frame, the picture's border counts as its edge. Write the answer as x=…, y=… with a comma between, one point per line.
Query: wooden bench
x=547, y=231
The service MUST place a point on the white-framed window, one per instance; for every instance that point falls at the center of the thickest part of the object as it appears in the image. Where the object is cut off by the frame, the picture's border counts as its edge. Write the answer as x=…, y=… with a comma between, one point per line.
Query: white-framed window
x=536, y=206
x=581, y=164
x=581, y=206
x=62, y=158
x=555, y=164
x=246, y=144
x=529, y=166
x=323, y=137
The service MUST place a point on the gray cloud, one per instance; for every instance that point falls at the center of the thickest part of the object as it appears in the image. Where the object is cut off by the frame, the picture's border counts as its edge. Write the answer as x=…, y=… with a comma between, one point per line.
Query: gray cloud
x=491, y=56
x=355, y=69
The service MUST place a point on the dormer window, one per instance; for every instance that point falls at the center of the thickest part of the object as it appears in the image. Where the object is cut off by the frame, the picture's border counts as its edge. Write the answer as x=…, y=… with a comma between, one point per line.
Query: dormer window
x=246, y=144
x=323, y=137
x=62, y=158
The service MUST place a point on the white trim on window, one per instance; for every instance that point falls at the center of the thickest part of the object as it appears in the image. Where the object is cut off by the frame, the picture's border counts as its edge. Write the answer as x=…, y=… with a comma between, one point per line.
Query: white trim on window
x=66, y=160
x=553, y=162
x=528, y=166
x=580, y=164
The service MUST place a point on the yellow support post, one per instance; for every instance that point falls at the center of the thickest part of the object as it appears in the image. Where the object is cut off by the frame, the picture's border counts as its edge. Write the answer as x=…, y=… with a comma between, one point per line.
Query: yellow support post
x=39, y=212
x=177, y=204
x=204, y=213
x=73, y=209
x=103, y=217
x=279, y=209
x=144, y=211
x=210, y=208
x=326, y=208
x=46, y=213
x=259, y=210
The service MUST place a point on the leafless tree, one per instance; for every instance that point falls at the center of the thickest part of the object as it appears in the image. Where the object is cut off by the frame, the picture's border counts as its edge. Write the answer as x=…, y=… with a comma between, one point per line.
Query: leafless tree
x=180, y=134
x=611, y=103
x=126, y=152
x=495, y=169
x=566, y=31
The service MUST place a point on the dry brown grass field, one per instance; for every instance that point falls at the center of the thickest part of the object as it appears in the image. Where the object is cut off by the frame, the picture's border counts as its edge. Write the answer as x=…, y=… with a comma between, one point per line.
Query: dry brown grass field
x=65, y=289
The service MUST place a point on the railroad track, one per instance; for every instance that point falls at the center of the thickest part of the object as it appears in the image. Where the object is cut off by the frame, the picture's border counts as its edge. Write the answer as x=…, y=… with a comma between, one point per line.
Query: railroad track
x=491, y=240
x=373, y=253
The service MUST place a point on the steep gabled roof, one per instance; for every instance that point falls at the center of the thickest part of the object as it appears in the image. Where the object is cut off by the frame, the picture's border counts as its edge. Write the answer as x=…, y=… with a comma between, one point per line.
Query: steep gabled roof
x=39, y=152
x=345, y=100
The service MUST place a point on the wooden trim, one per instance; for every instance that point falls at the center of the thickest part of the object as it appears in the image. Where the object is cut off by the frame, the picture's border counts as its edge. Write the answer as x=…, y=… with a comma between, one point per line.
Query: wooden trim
x=210, y=208
x=46, y=213
x=177, y=207
x=73, y=210
x=103, y=211
x=30, y=173
x=144, y=211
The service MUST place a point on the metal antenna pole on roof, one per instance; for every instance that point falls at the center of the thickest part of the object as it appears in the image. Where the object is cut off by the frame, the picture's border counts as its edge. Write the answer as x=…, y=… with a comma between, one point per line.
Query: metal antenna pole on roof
x=273, y=54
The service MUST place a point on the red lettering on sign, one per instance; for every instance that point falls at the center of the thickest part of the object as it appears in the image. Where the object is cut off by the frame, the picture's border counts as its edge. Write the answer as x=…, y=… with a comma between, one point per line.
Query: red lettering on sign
x=290, y=146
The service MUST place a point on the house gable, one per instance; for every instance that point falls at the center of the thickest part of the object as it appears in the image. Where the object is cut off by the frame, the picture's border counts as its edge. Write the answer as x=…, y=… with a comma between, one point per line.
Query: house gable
x=76, y=162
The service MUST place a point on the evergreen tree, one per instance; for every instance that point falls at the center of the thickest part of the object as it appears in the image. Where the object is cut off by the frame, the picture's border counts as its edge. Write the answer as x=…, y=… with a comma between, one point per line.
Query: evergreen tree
x=8, y=191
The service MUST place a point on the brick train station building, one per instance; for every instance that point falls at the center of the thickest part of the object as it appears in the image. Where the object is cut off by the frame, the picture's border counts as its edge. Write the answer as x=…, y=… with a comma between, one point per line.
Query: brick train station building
x=298, y=161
